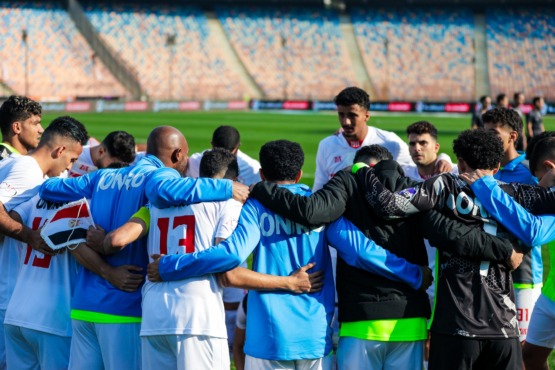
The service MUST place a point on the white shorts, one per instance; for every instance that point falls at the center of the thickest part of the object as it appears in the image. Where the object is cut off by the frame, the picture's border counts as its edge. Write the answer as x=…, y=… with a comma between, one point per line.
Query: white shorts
x=354, y=353
x=184, y=352
x=33, y=349
x=253, y=363
x=540, y=332
x=105, y=346
x=525, y=300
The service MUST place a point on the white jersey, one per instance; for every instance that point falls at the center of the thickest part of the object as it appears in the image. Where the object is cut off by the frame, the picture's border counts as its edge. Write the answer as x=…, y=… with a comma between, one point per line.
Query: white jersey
x=20, y=180
x=41, y=299
x=83, y=165
x=249, y=168
x=335, y=153
x=192, y=306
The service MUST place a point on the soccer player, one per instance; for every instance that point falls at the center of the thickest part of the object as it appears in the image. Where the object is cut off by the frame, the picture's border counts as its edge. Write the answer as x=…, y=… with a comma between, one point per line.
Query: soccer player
x=518, y=102
x=227, y=137
x=532, y=230
x=337, y=151
x=534, y=122
x=104, y=317
x=383, y=323
x=286, y=329
x=528, y=278
x=474, y=321
x=502, y=101
x=21, y=177
x=481, y=108
x=117, y=146
x=20, y=123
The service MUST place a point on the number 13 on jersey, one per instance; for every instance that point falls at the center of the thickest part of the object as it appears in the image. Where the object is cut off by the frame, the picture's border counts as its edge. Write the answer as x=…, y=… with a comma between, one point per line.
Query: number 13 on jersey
x=177, y=234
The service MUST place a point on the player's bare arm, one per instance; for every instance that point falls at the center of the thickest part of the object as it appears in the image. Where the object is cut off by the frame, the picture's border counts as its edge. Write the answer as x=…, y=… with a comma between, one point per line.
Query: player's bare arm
x=10, y=225
x=300, y=281
x=124, y=235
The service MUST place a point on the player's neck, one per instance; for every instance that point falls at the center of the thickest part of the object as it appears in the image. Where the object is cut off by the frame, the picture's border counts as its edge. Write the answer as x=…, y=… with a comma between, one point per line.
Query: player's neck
x=16, y=144
x=426, y=171
x=508, y=156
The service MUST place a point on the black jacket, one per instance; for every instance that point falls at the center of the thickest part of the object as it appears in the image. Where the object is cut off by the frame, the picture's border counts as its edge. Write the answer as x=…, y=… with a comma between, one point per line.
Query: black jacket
x=366, y=296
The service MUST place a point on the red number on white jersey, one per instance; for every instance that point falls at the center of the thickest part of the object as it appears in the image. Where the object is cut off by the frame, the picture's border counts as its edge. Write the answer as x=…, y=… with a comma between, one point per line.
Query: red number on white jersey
x=188, y=242
x=43, y=262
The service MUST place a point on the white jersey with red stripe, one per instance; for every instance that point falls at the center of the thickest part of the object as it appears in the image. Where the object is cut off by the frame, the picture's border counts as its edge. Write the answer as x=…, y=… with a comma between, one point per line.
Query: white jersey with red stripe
x=41, y=299
x=192, y=306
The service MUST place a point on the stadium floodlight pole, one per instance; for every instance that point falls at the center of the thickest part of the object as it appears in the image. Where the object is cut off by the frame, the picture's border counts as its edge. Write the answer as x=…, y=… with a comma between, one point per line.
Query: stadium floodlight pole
x=170, y=44
x=24, y=36
x=387, y=69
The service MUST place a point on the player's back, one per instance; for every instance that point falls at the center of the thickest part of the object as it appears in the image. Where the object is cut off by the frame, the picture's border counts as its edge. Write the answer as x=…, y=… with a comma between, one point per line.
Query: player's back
x=192, y=306
x=285, y=325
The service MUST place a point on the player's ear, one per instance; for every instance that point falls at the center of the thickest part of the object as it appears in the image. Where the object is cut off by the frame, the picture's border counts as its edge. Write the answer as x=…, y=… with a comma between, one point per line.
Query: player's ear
x=549, y=164
x=176, y=155
x=16, y=127
x=495, y=170
x=58, y=151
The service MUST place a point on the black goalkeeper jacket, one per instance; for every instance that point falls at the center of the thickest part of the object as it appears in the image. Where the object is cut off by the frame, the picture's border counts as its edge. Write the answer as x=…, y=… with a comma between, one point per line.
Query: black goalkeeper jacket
x=363, y=295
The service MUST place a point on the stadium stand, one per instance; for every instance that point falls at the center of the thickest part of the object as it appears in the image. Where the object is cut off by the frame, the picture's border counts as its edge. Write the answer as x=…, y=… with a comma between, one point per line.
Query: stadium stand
x=61, y=64
x=416, y=53
x=295, y=53
x=521, y=50
x=192, y=67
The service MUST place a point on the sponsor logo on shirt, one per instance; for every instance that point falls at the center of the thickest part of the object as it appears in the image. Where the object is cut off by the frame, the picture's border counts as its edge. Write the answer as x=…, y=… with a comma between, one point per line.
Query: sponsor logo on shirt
x=271, y=224
x=113, y=180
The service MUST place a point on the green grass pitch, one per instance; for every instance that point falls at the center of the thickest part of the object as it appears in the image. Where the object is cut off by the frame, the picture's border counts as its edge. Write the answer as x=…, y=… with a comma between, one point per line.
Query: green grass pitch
x=256, y=128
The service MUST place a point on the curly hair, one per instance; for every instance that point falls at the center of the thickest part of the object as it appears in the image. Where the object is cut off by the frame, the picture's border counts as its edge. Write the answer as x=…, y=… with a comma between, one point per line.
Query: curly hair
x=17, y=108
x=480, y=149
x=372, y=152
x=281, y=160
x=422, y=127
x=544, y=149
x=351, y=96
x=219, y=160
x=505, y=116
x=536, y=139
x=67, y=127
x=226, y=137
x=120, y=145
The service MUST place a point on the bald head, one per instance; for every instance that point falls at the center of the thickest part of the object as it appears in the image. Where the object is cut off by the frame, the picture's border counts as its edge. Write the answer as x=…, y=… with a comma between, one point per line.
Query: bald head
x=170, y=146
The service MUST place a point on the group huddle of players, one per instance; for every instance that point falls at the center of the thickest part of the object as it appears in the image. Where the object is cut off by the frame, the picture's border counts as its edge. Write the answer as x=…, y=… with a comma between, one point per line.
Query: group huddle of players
x=145, y=290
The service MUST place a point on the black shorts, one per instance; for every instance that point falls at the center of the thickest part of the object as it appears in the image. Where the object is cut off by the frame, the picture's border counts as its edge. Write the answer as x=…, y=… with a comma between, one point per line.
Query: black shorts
x=461, y=353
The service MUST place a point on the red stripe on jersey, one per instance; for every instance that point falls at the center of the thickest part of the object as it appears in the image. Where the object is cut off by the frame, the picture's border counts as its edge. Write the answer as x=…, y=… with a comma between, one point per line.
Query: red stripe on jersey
x=78, y=210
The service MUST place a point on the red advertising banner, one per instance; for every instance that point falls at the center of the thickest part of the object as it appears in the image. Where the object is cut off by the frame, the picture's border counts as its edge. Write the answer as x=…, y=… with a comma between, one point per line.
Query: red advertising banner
x=189, y=105
x=78, y=106
x=296, y=105
x=238, y=105
x=457, y=107
x=399, y=107
x=134, y=106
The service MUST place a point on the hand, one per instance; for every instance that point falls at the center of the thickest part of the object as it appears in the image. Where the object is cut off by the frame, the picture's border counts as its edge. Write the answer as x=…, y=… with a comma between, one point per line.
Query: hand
x=126, y=277
x=152, y=269
x=475, y=175
x=95, y=238
x=443, y=166
x=515, y=260
x=427, y=277
x=240, y=192
x=33, y=238
x=548, y=180
x=304, y=282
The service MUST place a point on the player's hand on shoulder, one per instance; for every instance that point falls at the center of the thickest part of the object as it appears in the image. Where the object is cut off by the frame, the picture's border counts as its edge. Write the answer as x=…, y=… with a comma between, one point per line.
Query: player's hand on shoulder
x=443, y=166
x=427, y=277
x=240, y=192
x=152, y=269
x=471, y=177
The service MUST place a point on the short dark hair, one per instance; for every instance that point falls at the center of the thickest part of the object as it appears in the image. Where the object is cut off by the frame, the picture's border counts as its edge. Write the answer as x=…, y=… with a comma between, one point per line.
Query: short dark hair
x=351, y=96
x=217, y=160
x=500, y=97
x=120, y=145
x=483, y=99
x=67, y=127
x=505, y=116
x=536, y=99
x=516, y=95
x=481, y=149
x=372, y=152
x=226, y=137
x=422, y=127
x=536, y=139
x=543, y=149
x=17, y=108
x=281, y=160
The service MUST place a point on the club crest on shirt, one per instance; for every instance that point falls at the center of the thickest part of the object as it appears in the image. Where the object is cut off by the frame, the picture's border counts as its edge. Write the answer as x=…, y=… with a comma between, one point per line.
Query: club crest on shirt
x=337, y=159
x=7, y=190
